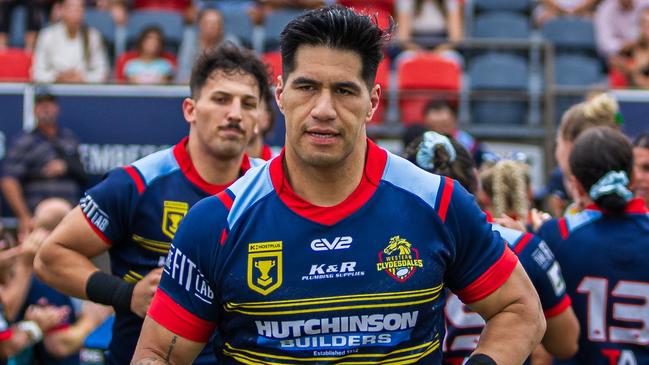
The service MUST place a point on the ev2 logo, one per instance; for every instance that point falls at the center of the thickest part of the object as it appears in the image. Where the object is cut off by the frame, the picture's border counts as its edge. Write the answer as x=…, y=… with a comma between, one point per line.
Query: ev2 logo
x=339, y=243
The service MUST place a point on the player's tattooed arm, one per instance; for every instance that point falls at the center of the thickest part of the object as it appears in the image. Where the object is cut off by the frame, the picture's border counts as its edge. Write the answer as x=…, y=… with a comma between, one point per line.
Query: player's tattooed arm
x=159, y=346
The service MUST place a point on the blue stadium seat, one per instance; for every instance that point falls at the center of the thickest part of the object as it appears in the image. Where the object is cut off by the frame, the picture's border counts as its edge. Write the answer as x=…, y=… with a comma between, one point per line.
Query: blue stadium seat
x=103, y=22
x=507, y=5
x=18, y=27
x=501, y=24
x=170, y=22
x=274, y=24
x=577, y=70
x=239, y=24
x=570, y=33
x=498, y=72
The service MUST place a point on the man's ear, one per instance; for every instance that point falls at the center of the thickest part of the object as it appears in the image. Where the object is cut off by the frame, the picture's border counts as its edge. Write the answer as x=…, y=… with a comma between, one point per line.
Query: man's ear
x=279, y=90
x=189, y=108
x=375, y=99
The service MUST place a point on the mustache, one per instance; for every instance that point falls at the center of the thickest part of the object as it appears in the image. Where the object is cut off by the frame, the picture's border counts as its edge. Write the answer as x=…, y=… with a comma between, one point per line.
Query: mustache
x=232, y=125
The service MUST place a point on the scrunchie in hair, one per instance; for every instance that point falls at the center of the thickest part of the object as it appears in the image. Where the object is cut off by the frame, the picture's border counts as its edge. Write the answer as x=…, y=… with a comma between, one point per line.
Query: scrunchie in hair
x=613, y=182
x=426, y=150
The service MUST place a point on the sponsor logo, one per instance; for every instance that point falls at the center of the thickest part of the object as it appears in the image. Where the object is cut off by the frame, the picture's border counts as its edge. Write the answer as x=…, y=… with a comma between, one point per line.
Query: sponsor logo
x=337, y=333
x=543, y=256
x=183, y=270
x=324, y=271
x=265, y=266
x=399, y=259
x=97, y=217
x=172, y=214
x=338, y=243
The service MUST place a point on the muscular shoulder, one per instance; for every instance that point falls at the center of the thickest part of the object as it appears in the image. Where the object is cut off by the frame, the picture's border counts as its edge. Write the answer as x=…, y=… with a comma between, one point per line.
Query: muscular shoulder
x=245, y=193
x=404, y=175
x=156, y=165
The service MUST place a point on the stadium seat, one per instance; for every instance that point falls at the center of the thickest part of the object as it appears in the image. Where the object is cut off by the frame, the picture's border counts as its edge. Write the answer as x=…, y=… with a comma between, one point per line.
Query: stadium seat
x=18, y=27
x=15, y=65
x=422, y=76
x=127, y=56
x=274, y=23
x=274, y=62
x=577, y=70
x=498, y=72
x=570, y=33
x=170, y=22
x=501, y=24
x=506, y=5
x=103, y=22
x=239, y=24
x=383, y=79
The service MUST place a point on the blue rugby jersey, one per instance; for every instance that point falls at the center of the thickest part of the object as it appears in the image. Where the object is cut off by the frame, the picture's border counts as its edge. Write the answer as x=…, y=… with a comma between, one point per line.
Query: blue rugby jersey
x=604, y=260
x=464, y=326
x=136, y=210
x=362, y=281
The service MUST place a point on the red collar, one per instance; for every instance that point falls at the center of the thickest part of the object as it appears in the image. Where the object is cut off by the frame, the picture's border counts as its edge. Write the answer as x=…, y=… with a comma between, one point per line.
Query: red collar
x=490, y=218
x=189, y=170
x=266, y=153
x=375, y=161
x=634, y=206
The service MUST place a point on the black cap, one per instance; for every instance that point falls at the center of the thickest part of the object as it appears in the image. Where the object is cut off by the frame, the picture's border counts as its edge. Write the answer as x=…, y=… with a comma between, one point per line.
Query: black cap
x=42, y=93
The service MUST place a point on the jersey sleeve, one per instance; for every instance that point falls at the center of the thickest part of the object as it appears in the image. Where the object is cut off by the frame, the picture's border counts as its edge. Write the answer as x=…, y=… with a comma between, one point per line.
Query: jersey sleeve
x=185, y=302
x=5, y=330
x=108, y=205
x=481, y=261
x=545, y=273
x=553, y=232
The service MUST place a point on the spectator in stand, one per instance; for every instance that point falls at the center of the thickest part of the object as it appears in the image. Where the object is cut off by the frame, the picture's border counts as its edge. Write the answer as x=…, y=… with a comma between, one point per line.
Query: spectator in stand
x=149, y=67
x=434, y=18
x=614, y=21
x=42, y=164
x=631, y=64
x=440, y=117
x=210, y=35
x=69, y=51
x=548, y=9
x=183, y=7
x=36, y=16
x=641, y=167
x=118, y=10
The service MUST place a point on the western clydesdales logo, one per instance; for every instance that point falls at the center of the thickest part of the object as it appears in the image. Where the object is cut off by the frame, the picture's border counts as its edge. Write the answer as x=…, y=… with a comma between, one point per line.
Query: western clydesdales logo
x=265, y=266
x=172, y=214
x=399, y=259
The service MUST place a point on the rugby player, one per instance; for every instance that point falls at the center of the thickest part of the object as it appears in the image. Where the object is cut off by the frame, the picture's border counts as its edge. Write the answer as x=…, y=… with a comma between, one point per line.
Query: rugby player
x=641, y=167
x=135, y=212
x=336, y=250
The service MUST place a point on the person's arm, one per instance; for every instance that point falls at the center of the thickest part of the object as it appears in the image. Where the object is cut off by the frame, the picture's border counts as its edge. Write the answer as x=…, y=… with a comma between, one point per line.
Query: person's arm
x=42, y=70
x=561, y=337
x=607, y=42
x=97, y=70
x=405, y=13
x=30, y=331
x=67, y=341
x=158, y=345
x=455, y=20
x=515, y=323
x=74, y=166
x=13, y=192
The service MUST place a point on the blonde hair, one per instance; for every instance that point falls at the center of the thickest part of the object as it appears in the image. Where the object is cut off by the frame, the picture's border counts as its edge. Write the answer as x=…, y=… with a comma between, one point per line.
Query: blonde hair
x=600, y=110
x=506, y=183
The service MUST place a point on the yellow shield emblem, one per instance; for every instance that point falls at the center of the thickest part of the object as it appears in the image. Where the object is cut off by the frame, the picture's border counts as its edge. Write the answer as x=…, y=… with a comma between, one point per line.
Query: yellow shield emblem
x=265, y=266
x=172, y=214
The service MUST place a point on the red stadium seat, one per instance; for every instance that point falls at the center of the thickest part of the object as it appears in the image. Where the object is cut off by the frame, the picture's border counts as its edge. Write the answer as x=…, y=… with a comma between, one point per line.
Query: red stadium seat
x=423, y=77
x=274, y=62
x=15, y=65
x=383, y=79
x=127, y=56
x=383, y=9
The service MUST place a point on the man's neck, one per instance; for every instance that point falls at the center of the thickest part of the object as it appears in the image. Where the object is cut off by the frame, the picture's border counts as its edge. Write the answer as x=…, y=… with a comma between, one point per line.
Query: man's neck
x=213, y=170
x=49, y=131
x=255, y=147
x=325, y=186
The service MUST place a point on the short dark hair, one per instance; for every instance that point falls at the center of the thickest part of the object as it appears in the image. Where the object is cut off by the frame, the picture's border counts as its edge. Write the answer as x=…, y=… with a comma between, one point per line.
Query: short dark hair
x=336, y=27
x=596, y=152
x=150, y=29
x=230, y=59
x=438, y=104
x=642, y=140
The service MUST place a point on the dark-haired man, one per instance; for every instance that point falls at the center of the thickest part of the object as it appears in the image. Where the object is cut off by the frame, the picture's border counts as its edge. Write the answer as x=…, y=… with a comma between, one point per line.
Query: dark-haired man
x=336, y=250
x=135, y=212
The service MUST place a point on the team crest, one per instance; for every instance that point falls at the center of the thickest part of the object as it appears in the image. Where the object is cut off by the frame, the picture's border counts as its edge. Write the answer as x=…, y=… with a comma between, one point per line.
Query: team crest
x=265, y=266
x=172, y=214
x=399, y=259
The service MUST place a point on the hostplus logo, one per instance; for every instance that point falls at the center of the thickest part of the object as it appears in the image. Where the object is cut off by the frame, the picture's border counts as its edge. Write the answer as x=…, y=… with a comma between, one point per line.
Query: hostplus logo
x=324, y=271
x=338, y=243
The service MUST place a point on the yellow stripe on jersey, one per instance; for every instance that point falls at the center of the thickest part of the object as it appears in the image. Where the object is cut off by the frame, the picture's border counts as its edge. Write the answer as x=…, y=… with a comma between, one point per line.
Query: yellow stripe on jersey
x=152, y=245
x=338, y=299
x=244, y=356
x=382, y=300
x=132, y=277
